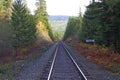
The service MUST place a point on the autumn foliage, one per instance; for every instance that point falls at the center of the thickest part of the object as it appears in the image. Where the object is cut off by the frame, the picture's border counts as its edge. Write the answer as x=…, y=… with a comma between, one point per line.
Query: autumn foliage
x=18, y=53
x=103, y=56
x=23, y=52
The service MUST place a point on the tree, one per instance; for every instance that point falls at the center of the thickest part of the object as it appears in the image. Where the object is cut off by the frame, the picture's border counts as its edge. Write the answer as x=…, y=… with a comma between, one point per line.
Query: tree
x=5, y=8
x=42, y=16
x=101, y=22
x=8, y=4
x=40, y=13
x=112, y=23
x=5, y=14
x=72, y=28
x=23, y=25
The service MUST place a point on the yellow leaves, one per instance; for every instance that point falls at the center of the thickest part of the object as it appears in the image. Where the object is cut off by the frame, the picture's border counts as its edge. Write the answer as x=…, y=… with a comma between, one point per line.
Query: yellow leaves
x=42, y=33
x=41, y=25
x=21, y=53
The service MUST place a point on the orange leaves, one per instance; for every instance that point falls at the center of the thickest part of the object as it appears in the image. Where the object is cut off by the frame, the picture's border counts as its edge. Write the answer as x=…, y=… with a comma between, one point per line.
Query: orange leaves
x=18, y=53
x=103, y=56
x=23, y=52
x=20, y=57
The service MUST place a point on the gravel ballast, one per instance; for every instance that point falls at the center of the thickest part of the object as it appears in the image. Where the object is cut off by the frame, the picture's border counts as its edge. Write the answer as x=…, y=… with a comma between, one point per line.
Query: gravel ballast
x=92, y=71
x=35, y=70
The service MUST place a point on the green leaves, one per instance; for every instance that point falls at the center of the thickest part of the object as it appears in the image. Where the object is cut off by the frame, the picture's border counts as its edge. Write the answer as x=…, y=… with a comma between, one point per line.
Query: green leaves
x=101, y=22
x=23, y=25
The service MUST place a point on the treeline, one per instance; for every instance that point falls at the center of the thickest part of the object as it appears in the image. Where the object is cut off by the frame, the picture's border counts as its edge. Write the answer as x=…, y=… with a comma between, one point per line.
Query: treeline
x=101, y=22
x=72, y=28
x=20, y=21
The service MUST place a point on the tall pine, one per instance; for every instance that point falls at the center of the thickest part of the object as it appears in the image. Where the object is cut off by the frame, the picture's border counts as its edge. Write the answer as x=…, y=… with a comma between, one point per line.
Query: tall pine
x=101, y=22
x=91, y=23
x=111, y=23
x=23, y=25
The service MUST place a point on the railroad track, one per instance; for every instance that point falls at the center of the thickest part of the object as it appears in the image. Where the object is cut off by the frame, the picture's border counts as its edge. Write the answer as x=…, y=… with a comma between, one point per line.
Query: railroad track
x=62, y=66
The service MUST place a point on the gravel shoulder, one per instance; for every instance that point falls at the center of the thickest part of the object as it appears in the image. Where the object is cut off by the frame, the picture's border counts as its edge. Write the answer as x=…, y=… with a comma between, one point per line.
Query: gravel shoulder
x=35, y=70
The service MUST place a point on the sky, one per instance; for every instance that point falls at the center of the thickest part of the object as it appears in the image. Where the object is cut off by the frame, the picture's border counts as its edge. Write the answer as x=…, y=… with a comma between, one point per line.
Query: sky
x=62, y=7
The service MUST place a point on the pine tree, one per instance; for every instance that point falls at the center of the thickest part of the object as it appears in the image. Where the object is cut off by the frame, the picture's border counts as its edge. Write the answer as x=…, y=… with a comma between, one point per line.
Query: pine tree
x=72, y=28
x=41, y=14
x=101, y=22
x=91, y=23
x=23, y=25
x=111, y=24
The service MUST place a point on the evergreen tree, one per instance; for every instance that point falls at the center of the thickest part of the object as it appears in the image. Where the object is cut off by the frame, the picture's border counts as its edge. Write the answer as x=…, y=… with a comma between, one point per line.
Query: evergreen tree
x=23, y=25
x=91, y=23
x=112, y=24
x=101, y=22
x=41, y=14
x=72, y=28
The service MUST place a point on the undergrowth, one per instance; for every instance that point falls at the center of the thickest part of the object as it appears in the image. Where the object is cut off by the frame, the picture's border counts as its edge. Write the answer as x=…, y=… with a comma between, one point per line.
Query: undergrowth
x=20, y=58
x=103, y=56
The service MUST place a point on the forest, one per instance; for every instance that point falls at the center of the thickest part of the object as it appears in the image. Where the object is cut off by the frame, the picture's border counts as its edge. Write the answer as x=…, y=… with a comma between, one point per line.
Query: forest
x=96, y=34
x=100, y=22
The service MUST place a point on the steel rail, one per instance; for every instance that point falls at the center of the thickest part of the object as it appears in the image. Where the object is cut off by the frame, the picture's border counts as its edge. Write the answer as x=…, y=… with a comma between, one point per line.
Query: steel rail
x=51, y=68
x=80, y=71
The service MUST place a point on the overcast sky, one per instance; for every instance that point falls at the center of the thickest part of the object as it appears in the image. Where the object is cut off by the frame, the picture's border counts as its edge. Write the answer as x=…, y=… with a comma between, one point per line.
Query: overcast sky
x=62, y=7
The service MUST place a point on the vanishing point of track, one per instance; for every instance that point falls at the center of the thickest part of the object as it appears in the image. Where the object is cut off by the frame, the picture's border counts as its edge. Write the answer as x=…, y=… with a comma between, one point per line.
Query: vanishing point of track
x=62, y=66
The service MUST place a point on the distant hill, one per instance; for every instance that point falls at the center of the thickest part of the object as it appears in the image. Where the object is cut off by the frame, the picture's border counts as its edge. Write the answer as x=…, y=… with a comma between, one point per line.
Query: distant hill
x=58, y=24
x=58, y=18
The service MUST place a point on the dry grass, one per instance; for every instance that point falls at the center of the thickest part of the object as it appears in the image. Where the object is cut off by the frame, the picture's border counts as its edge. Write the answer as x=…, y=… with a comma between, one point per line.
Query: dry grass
x=103, y=56
x=12, y=63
